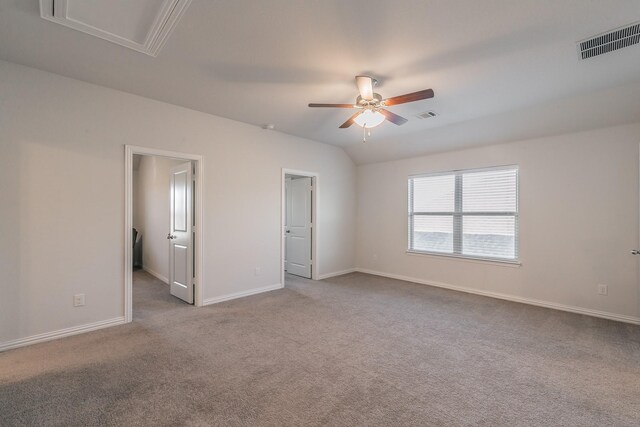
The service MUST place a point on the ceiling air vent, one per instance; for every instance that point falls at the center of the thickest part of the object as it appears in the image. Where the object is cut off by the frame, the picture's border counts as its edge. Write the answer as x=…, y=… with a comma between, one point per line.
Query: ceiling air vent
x=426, y=115
x=610, y=41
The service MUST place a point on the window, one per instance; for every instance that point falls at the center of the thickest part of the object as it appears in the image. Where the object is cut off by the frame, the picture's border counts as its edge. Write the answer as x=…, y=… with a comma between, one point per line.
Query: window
x=468, y=213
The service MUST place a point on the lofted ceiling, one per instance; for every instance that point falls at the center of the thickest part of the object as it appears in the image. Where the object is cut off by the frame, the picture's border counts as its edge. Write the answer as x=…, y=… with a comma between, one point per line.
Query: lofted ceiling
x=501, y=69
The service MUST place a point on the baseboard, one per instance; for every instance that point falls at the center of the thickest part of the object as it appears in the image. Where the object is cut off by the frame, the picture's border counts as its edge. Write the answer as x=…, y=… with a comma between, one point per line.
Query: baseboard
x=242, y=294
x=61, y=333
x=155, y=274
x=507, y=297
x=336, y=273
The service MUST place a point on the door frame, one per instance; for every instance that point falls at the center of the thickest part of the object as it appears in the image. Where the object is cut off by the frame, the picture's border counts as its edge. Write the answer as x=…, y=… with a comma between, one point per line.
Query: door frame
x=315, y=178
x=130, y=150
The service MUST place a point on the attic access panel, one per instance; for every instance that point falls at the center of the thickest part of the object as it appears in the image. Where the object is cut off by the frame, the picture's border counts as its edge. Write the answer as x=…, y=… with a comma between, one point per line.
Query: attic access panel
x=141, y=25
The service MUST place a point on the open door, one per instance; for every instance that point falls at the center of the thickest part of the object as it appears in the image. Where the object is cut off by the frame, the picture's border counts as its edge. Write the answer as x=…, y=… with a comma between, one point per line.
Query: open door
x=298, y=225
x=180, y=233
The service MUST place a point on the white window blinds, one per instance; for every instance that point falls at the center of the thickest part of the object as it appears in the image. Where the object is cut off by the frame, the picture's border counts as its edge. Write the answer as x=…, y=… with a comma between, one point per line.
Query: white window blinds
x=469, y=213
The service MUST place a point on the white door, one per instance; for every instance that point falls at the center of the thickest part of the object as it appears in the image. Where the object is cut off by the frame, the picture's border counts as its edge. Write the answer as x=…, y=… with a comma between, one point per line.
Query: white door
x=180, y=233
x=298, y=227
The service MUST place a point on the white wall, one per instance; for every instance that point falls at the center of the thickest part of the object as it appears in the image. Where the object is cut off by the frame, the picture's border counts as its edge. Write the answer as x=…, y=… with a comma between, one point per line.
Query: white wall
x=62, y=192
x=151, y=188
x=578, y=220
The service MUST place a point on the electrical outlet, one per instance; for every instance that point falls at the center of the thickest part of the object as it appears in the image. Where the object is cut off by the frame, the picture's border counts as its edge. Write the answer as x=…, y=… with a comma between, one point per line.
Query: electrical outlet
x=257, y=271
x=603, y=289
x=78, y=300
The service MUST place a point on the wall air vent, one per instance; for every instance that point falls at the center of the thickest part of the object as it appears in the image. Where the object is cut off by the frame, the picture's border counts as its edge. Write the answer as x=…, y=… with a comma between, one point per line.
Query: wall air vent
x=426, y=115
x=610, y=41
x=142, y=25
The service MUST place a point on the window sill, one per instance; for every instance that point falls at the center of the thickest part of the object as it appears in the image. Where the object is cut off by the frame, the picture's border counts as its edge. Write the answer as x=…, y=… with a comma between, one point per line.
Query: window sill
x=512, y=264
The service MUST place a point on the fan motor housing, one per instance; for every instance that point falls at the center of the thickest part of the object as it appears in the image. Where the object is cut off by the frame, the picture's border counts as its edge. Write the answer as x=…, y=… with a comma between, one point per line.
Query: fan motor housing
x=377, y=99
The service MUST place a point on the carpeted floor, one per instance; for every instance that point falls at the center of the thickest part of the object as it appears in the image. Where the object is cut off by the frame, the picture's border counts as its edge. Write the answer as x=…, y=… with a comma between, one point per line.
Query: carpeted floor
x=352, y=350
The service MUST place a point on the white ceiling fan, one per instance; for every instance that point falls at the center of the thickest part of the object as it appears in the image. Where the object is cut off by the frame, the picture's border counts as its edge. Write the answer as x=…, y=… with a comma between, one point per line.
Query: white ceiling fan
x=371, y=106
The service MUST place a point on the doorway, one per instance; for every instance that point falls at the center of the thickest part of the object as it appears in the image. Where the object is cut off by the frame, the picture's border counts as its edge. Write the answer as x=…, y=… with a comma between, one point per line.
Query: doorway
x=299, y=223
x=163, y=228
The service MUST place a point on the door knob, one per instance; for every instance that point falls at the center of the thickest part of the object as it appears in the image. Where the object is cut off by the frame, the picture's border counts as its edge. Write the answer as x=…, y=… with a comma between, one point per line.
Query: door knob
x=288, y=231
x=169, y=236
x=635, y=252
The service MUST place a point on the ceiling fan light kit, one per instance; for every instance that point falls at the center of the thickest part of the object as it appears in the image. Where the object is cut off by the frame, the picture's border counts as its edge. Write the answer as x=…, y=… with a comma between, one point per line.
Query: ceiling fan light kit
x=369, y=119
x=372, y=106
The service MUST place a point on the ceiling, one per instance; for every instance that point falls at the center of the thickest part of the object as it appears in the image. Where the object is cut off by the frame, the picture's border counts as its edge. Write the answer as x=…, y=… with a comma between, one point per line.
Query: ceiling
x=501, y=69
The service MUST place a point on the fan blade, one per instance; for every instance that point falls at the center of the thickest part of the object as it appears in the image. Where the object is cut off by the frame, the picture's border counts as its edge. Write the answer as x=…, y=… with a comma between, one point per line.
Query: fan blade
x=393, y=118
x=350, y=121
x=333, y=105
x=410, y=97
x=365, y=86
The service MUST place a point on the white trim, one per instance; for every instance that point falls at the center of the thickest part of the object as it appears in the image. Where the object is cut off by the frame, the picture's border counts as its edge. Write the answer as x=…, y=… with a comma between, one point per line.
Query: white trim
x=156, y=274
x=471, y=170
x=315, y=258
x=500, y=263
x=539, y=303
x=130, y=150
x=242, y=294
x=162, y=27
x=336, y=273
x=61, y=333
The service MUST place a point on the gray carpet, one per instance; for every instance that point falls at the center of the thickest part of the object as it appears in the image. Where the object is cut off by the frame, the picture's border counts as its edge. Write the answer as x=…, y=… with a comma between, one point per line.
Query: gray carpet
x=352, y=350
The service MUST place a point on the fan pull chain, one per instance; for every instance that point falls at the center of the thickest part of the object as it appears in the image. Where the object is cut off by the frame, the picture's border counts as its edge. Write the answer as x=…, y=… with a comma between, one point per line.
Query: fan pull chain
x=365, y=132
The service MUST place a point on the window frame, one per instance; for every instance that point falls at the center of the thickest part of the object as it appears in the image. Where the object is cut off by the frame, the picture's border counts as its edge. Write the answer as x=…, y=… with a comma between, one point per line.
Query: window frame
x=458, y=215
